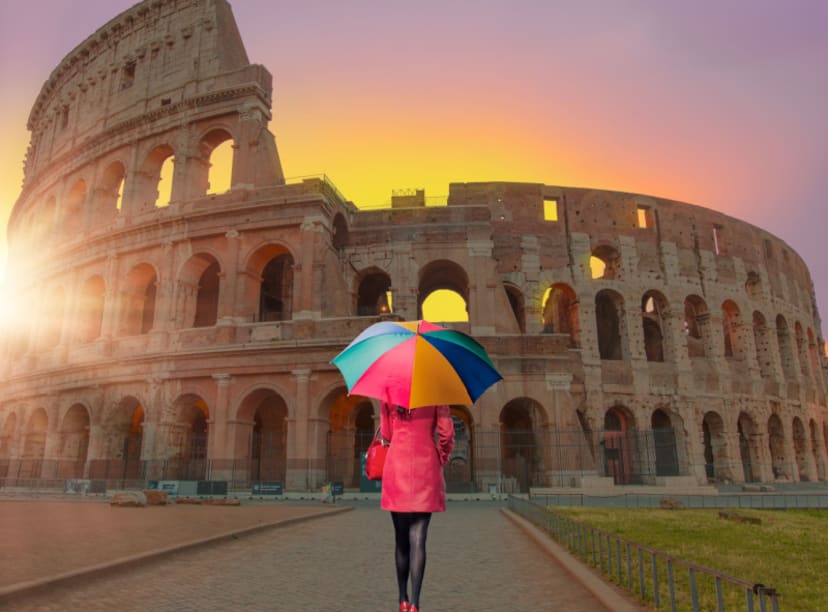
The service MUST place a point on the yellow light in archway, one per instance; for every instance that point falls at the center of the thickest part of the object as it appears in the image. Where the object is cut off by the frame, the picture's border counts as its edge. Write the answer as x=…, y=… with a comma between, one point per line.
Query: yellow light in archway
x=444, y=306
x=221, y=167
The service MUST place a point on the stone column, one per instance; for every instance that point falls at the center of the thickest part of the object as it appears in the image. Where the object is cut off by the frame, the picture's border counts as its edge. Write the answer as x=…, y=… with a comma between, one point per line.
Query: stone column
x=308, y=272
x=298, y=453
x=218, y=452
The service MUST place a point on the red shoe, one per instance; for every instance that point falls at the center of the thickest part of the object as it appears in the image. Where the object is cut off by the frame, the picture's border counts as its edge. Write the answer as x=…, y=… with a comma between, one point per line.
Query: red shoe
x=405, y=607
x=413, y=608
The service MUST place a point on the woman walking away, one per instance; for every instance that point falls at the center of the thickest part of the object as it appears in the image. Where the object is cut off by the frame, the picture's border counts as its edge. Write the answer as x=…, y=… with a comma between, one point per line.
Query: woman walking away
x=413, y=486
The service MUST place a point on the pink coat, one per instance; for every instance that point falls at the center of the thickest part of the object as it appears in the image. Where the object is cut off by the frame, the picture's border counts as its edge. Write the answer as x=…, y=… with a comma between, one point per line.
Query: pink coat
x=412, y=479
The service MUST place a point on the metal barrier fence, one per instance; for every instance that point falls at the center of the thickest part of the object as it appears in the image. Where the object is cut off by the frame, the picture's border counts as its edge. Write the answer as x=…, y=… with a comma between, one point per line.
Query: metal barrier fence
x=654, y=576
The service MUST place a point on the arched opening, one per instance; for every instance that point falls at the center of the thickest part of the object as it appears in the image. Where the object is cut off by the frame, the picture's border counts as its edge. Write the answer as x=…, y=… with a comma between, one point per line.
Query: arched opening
x=786, y=354
x=664, y=441
x=340, y=232
x=716, y=464
x=220, y=175
x=609, y=316
x=605, y=262
x=276, y=290
x=748, y=450
x=520, y=453
x=74, y=442
x=444, y=285
x=654, y=315
x=138, y=300
x=90, y=309
x=762, y=340
x=696, y=324
x=109, y=195
x=191, y=439
x=515, y=297
x=374, y=294
x=459, y=470
x=73, y=210
x=618, y=445
x=800, y=441
x=7, y=438
x=154, y=186
x=268, y=447
x=560, y=313
x=776, y=444
x=34, y=445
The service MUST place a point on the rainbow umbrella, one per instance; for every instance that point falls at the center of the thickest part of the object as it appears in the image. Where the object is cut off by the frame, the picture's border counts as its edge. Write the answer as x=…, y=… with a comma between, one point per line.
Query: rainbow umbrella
x=416, y=363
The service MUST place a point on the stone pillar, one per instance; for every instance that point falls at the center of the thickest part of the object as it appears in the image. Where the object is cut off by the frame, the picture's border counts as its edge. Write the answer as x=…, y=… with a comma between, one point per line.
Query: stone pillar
x=109, y=324
x=229, y=285
x=297, y=477
x=482, y=287
x=218, y=445
x=308, y=273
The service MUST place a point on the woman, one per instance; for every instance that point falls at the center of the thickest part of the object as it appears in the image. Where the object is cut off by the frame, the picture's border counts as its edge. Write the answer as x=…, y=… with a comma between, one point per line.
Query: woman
x=413, y=486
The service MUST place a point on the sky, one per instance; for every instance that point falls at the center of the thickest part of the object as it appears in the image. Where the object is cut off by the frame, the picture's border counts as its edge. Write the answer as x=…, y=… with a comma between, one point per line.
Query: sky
x=720, y=104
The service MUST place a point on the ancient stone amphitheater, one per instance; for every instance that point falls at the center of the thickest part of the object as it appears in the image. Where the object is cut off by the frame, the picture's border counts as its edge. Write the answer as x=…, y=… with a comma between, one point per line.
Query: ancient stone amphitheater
x=188, y=336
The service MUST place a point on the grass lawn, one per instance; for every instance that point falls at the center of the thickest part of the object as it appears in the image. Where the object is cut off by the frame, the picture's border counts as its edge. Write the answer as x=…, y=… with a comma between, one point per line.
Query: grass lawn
x=787, y=551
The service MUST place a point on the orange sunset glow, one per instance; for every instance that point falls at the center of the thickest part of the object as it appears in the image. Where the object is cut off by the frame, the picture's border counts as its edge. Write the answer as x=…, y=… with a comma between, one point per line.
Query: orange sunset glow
x=716, y=105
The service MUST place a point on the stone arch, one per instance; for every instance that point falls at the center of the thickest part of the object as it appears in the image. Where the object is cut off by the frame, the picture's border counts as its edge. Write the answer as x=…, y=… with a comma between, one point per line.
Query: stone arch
x=442, y=274
x=749, y=451
x=340, y=232
x=217, y=149
x=664, y=443
x=138, y=300
x=655, y=315
x=460, y=469
x=150, y=190
x=198, y=291
x=269, y=294
x=517, y=304
x=776, y=444
x=763, y=342
x=73, y=443
x=619, y=444
x=8, y=438
x=609, y=318
x=520, y=451
x=373, y=293
x=73, y=209
x=786, y=354
x=696, y=326
x=731, y=330
x=90, y=308
x=109, y=194
x=605, y=262
x=560, y=312
x=800, y=443
x=261, y=435
x=717, y=465
x=190, y=438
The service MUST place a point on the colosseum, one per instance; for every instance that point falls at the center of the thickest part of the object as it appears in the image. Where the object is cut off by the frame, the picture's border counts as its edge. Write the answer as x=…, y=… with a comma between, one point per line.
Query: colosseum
x=177, y=333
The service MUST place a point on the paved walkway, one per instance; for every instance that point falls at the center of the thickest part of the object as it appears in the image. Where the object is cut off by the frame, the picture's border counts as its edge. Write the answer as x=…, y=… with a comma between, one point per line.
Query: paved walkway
x=478, y=560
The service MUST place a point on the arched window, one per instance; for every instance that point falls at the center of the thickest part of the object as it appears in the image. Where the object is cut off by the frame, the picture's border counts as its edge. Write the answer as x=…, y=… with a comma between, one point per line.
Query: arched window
x=605, y=262
x=786, y=354
x=731, y=330
x=276, y=292
x=206, y=312
x=221, y=167
x=73, y=209
x=374, y=295
x=443, y=292
x=138, y=300
x=515, y=297
x=654, y=314
x=763, y=341
x=90, y=309
x=560, y=313
x=109, y=195
x=153, y=187
x=609, y=314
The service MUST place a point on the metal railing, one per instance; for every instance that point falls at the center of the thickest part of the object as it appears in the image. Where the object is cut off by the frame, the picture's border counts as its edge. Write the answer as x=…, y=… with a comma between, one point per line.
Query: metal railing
x=654, y=576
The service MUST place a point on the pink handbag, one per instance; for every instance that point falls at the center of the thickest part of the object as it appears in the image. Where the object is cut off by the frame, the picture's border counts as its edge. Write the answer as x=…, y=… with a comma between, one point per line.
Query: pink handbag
x=375, y=458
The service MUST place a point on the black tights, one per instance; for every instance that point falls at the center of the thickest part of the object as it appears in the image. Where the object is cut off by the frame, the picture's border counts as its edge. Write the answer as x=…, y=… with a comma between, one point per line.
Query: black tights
x=410, y=531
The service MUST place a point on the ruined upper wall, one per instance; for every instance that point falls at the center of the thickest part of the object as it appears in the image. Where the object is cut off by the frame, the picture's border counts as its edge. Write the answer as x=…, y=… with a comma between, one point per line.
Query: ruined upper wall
x=159, y=58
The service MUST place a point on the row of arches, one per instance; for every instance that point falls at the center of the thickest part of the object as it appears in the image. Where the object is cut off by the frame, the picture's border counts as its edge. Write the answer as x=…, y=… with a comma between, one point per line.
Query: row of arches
x=152, y=183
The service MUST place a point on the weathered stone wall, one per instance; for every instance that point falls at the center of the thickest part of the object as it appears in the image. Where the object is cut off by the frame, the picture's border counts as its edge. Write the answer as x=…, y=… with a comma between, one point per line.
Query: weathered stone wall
x=193, y=340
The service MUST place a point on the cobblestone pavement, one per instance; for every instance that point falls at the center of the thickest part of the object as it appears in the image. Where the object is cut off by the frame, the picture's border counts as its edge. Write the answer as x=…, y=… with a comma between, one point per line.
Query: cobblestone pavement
x=478, y=561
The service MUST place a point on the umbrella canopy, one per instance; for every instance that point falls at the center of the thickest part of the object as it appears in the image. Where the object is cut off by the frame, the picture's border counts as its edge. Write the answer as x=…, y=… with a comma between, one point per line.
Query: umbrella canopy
x=416, y=363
